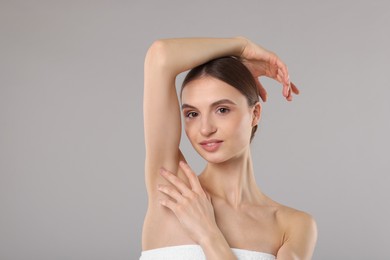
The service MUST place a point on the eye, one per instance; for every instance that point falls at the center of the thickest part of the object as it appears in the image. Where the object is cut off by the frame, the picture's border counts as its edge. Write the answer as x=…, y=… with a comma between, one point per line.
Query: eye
x=191, y=114
x=223, y=110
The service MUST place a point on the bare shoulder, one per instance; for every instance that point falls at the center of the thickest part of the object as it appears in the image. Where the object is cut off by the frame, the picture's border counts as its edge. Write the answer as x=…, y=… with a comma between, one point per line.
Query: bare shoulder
x=299, y=233
x=290, y=218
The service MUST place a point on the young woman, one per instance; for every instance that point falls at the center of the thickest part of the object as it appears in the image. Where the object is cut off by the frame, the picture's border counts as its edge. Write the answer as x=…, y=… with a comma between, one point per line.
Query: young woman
x=220, y=214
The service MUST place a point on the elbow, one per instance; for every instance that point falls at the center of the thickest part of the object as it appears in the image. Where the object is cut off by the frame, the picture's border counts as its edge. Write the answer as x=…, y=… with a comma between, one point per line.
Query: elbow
x=157, y=54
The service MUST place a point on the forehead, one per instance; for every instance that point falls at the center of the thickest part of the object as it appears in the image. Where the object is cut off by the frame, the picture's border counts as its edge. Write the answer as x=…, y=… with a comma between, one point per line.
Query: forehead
x=206, y=90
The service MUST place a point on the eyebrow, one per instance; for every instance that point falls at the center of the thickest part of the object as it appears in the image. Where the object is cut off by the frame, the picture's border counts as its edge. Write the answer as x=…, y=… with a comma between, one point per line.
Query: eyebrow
x=216, y=103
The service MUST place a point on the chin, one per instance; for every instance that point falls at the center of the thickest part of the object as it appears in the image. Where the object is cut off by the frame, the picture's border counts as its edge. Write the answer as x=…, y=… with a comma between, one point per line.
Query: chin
x=222, y=156
x=215, y=158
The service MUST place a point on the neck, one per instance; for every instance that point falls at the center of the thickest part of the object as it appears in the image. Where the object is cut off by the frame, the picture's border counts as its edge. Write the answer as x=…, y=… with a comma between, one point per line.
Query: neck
x=232, y=181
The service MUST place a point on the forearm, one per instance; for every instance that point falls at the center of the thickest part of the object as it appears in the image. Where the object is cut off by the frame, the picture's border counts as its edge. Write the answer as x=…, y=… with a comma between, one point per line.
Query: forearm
x=178, y=55
x=215, y=247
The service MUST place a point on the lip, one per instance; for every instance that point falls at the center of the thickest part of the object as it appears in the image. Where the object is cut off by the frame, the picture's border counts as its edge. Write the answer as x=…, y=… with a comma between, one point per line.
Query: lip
x=211, y=145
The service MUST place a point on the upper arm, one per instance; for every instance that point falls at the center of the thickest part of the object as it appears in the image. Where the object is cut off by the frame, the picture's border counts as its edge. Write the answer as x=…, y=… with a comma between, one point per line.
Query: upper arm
x=162, y=123
x=301, y=237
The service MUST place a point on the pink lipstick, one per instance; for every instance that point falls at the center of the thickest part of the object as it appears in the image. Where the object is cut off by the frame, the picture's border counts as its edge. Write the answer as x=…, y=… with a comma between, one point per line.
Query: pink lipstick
x=211, y=145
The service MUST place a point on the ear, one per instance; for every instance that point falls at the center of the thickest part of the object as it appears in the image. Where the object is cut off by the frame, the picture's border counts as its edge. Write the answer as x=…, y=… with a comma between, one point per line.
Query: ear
x=256, y=113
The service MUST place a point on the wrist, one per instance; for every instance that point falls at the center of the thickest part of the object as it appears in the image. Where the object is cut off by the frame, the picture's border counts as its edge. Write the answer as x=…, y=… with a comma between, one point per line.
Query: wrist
x=209, y=238
x=215, y=246
x=243, y=43
x=213, y=238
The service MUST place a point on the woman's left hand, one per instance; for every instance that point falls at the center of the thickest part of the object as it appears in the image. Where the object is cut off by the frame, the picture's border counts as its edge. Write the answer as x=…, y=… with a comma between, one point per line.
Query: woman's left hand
x=191, y=205
x=262, y=62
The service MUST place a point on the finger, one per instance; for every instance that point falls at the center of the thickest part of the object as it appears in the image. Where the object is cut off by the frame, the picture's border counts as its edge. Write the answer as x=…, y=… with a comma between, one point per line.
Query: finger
x=284, y=70
x=193, y=179
x=282, y=79
x=285, y=90
x=279, y=78
x=171, y=192
x=281, y=74
x=179, y=184
x=294, y=89
x=289, y=97
x=208, y=196
x=168, y=204
x=262, y=92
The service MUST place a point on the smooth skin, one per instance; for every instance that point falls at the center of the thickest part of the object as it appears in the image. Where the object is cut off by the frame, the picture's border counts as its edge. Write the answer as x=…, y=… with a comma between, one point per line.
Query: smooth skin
x=223, y=207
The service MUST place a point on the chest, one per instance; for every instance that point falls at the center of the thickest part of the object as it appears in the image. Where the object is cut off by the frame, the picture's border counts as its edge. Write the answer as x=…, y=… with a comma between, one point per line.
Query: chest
x=253, y=228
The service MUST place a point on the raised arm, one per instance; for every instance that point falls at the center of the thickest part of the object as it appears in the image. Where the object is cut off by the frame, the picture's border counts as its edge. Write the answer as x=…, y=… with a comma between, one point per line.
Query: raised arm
x=164, y=60
x=167, y=58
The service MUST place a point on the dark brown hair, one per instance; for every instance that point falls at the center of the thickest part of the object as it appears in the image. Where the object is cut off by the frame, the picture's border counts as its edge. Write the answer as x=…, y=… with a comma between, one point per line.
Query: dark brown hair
x=231, y=71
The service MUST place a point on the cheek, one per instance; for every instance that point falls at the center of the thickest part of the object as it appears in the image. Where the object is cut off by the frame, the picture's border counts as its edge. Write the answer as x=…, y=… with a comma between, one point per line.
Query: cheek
x=189, y=130
x=241, y=128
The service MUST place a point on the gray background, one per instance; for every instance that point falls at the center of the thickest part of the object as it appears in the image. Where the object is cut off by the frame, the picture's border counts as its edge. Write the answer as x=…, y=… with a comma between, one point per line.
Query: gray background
x=71, y=132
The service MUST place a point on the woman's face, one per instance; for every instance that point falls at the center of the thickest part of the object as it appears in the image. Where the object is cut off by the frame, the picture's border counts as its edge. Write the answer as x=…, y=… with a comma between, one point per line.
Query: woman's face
x=218, y=120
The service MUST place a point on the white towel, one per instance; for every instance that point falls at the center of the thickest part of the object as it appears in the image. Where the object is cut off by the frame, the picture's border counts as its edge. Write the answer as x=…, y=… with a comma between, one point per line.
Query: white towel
x=195, y=252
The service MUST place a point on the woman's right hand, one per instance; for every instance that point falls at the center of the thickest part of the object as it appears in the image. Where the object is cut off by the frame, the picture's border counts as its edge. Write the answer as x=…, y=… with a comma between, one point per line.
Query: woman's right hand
x=262, y=62
x=191, y=205
x=194, y=210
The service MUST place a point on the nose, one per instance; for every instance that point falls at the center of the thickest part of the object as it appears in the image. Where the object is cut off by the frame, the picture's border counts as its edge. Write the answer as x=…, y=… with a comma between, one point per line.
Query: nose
x=207, y=127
